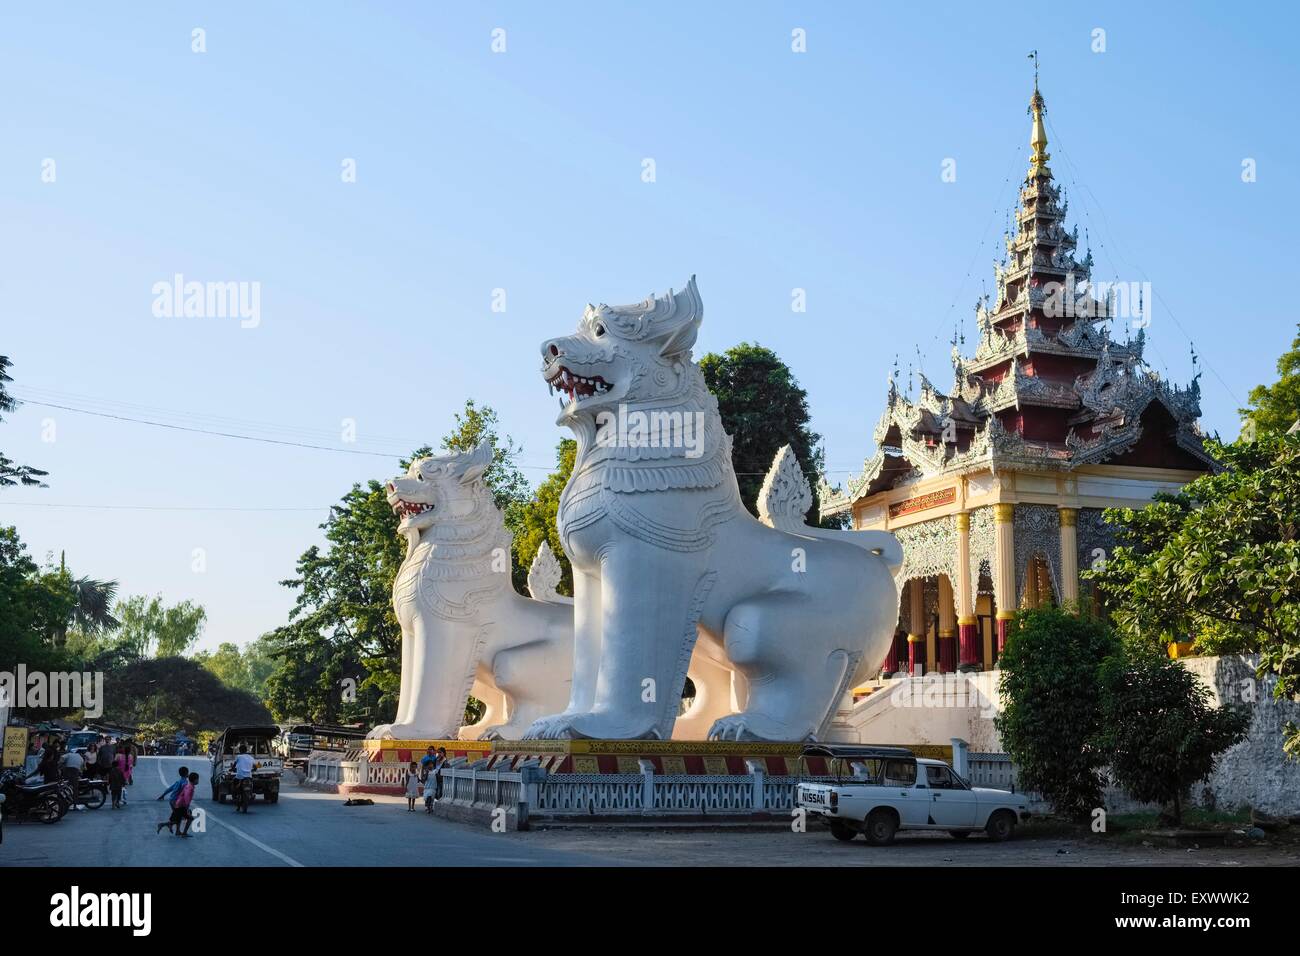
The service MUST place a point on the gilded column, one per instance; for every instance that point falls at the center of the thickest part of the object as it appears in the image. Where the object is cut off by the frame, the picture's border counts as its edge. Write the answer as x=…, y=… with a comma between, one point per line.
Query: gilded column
x=1070, y=558
x=947, y=628
x=916, y=628
x=966, y=624
x=1004, y=583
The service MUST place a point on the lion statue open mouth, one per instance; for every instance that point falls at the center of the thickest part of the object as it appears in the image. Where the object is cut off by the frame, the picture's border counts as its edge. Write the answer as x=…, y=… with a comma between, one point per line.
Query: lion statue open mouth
x=464, y=627
x=669, y=565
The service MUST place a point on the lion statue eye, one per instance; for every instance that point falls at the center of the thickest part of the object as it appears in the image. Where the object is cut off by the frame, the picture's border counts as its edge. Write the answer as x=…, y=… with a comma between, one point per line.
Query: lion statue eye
x=600, y=330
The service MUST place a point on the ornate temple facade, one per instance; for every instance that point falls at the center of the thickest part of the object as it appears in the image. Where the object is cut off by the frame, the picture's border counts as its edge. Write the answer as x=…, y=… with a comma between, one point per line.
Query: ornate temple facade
x=996, y=487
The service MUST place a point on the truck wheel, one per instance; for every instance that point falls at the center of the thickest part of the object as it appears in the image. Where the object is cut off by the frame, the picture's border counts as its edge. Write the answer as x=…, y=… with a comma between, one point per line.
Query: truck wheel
x=273, y=796
x=842, y=832
x=881, y=826
x=1001, y=826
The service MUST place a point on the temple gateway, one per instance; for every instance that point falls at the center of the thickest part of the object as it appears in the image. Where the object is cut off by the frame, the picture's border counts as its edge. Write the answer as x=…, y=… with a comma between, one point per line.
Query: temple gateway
x=996, y=489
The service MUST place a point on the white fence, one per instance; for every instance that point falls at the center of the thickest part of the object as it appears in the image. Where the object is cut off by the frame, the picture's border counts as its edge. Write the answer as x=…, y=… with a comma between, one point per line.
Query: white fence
x=531, y=792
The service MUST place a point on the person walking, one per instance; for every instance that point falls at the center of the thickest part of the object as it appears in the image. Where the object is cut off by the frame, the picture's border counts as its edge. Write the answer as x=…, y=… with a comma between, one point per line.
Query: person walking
x=180, y=806
x=170, y=793
x=104, y=758
x=121, y=767
x=116, y=781
x=71, y=765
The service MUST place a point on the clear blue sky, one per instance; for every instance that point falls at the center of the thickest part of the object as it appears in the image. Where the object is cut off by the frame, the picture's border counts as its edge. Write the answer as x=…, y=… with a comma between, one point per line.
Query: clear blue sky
x=522, y=171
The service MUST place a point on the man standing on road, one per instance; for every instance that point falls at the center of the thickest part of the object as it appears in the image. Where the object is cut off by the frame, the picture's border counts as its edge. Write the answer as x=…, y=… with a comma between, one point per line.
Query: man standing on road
x=71, y=766
x=104, y=758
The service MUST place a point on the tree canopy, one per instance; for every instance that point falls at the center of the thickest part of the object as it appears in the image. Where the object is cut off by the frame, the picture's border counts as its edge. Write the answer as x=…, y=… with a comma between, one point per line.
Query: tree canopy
x=762, y=408
x=11, y=473
x=1276, y=407
x=1217, y=563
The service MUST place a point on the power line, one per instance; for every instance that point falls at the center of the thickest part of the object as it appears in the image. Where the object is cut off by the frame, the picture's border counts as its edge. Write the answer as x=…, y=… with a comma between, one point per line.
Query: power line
x=59, y=504
x=1106, y=223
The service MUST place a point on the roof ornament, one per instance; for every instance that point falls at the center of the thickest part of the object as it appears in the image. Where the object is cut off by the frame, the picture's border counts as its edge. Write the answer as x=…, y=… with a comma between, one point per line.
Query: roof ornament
x=1038, y=137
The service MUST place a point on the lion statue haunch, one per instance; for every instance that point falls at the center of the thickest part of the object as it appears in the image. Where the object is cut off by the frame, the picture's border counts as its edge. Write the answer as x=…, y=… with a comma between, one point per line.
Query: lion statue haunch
x=668, y=563
x=464, y=627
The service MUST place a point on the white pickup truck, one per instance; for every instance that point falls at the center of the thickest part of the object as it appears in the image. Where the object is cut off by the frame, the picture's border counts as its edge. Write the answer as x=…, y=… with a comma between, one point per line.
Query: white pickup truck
x=889, y=790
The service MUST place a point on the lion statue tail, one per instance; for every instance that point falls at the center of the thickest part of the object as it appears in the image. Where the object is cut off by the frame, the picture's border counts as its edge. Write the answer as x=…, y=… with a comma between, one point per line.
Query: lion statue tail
x=785, y=498
x=544, y=577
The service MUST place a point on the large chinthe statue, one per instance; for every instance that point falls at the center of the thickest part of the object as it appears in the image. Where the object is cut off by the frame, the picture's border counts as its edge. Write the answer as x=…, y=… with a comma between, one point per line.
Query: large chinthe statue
x=464, y=627
x=668, y=562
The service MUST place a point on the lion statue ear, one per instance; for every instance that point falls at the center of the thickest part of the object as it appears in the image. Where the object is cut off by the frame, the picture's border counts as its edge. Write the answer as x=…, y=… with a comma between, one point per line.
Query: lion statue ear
x=675, y=320
x=472, y=466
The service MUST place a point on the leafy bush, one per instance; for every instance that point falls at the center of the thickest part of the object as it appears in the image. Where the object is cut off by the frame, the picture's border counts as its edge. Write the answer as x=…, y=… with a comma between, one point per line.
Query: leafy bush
x=1159, y=729
x=1052, y=706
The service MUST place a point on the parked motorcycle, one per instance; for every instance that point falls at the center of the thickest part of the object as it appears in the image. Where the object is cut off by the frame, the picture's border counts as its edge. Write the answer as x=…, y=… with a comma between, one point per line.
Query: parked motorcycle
x=40, y=802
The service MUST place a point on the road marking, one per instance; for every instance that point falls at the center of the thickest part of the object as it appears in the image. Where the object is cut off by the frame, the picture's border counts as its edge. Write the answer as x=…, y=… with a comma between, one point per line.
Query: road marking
x=235, y=830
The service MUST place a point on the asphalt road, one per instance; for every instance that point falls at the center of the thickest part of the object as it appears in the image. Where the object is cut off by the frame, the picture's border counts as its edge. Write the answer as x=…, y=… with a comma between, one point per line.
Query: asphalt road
x=305, y=828
x=308, y=828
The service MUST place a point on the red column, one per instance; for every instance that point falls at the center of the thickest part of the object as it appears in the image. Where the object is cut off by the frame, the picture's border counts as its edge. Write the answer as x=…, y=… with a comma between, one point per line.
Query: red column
x=915, y=654
x=1003, y=624
x=968, y=636
x=891, y=659
x=947, y=653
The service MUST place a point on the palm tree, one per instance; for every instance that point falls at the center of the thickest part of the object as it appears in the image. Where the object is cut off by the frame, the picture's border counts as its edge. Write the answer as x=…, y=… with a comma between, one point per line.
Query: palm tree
x=93, y=614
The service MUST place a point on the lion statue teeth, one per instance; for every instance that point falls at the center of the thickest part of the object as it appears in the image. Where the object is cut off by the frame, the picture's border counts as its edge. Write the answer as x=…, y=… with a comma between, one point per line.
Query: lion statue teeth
x=464, y=627
x=669, y=566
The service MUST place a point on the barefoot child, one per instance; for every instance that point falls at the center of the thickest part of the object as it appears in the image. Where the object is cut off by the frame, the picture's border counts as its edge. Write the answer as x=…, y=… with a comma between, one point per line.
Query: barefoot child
x=180, y=806
x=412, y=786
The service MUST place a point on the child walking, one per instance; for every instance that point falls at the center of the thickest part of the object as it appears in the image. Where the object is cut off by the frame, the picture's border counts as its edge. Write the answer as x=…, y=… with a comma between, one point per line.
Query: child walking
x=116, y=781
x=180, y=807
x=412, y=786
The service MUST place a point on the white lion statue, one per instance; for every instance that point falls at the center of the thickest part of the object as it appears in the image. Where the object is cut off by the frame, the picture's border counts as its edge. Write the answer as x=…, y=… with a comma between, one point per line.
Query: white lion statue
x=667, y=563
x=464, y=627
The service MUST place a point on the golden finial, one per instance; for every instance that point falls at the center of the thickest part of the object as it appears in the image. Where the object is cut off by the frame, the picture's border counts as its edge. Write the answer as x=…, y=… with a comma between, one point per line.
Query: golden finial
x=1038, y=138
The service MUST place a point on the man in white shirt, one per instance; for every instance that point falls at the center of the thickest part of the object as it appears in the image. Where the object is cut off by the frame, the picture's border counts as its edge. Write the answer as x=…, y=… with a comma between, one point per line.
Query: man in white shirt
x=244, y=764
x=72, y=765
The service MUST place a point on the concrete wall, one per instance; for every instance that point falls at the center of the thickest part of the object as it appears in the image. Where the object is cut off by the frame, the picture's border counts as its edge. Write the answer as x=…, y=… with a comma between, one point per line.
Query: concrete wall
x=936, y=708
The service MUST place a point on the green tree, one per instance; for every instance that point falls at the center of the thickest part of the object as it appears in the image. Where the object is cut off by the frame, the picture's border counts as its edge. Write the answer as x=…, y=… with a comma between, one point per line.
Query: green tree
x=181, y=693
x=1218, y=562
x=1276, y=407
x=10, y=473
x=1159, y=729
x=244, y=668
x=475, y=425
x=1051, y=706
x=149, y=628
x=762, y=408
x=342, y=624
x=535, y=520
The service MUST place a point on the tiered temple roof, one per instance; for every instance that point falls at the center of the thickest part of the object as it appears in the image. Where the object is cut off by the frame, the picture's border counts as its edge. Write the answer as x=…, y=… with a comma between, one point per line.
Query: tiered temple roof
x=1047, y=388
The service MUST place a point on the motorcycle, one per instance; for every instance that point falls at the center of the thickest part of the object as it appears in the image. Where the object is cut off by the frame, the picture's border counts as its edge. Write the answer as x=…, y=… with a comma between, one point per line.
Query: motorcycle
x=92, y=792
x=243, y=795
x=40, y=802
